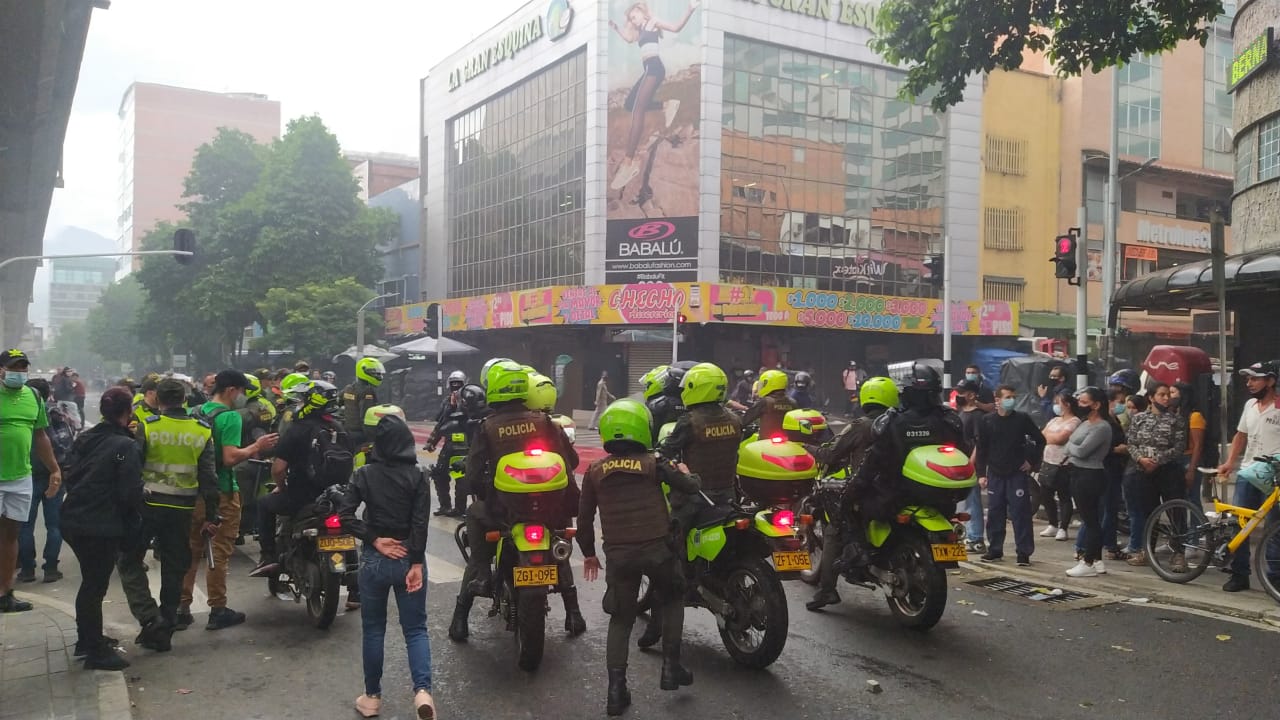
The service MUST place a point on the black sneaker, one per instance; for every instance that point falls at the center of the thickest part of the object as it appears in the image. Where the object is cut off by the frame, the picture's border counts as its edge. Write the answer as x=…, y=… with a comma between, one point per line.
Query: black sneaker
x=222, y=618
x=11, y=604
x=1024, y=560
x=183, y=620
x=992, y=556
x=105, y=657
x=82, y=649
x=156, y=635
x=26, y=576
x=52, y=576
x=1237, y=583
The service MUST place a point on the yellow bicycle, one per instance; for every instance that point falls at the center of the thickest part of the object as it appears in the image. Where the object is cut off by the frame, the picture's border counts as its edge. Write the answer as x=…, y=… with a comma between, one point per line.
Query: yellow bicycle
x=1182, y=541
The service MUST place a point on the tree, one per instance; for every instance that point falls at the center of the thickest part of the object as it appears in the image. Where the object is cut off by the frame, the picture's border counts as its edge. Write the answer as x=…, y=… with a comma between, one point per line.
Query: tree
x=113, y=326
x=943, y=42
x=71, y=347
x=316, y=320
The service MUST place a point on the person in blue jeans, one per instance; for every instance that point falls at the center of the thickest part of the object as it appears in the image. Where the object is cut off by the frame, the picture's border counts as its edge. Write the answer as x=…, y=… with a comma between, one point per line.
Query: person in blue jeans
x=1257, y=435
x=393, y=529
x=60, y=436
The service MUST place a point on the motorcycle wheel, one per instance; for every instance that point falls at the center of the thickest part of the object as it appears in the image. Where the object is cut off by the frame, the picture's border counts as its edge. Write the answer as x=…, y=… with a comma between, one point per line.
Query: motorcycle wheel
x=757, y=632
x=322, y=601
x=925, y=597
x=812, y=540
x=531, y=627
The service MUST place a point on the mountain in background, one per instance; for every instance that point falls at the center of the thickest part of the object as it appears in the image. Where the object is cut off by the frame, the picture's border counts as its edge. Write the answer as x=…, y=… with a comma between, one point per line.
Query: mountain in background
x=66, y=241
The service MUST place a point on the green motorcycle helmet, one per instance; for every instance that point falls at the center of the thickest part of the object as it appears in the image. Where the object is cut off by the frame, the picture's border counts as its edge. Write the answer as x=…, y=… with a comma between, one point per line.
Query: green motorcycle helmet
x=628, y=420
x=506, y=381
x=484, y=369
x=542, y=393
x=880, y=391
x=371, y=371
x=254, y=388
x=704, y=383
x=653, y=382
x=292, y=380
x=374, y=414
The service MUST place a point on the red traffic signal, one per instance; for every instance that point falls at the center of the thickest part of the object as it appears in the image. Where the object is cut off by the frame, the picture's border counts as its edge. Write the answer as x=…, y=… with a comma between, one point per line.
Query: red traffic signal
x=1066, y=245
x=682, y=318
x=1064, y=256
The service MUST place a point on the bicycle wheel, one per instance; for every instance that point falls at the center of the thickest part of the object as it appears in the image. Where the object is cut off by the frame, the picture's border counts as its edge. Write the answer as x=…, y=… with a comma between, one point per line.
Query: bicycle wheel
x=1266, y=560
x=1176, y=541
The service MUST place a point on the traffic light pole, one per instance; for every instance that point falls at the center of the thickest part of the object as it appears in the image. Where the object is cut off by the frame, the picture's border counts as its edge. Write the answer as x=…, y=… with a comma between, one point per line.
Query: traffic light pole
x=675, y=333
x=1082, y=300
x=946, y=312
x=439, y=309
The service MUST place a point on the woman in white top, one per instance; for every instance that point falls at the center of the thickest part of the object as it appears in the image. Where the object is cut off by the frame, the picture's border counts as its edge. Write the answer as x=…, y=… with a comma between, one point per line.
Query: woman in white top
x=1054, y=478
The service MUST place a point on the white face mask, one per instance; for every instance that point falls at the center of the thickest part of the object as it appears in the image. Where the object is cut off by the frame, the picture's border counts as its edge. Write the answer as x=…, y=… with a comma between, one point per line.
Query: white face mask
x=14, y=379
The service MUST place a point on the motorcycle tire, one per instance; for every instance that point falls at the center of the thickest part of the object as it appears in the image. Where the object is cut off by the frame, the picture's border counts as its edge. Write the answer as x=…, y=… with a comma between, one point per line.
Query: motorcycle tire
x=753, y=589
x=927, y=592
x=322, y=601
x=812, y=541
x=531, y=627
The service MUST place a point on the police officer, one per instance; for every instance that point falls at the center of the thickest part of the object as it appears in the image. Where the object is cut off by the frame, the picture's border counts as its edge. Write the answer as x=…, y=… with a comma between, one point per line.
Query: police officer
x=145, y=404
x=626, y=487
x=510, y=428
x=706, y=439
x=449, y=420
x=294, y=389
x=359, y=396
x=876, y=396
x=662, y=396
x=773, y=404
x=178, y=467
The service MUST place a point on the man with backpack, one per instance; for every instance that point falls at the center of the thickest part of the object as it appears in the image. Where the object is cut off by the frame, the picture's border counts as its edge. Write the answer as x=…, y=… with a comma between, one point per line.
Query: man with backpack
x=218, y=413
x=313, y=455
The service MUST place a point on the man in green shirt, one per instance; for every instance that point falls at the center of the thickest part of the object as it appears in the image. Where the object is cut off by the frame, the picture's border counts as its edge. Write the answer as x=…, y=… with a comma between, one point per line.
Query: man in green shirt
x=220, y=413
x=22, y=422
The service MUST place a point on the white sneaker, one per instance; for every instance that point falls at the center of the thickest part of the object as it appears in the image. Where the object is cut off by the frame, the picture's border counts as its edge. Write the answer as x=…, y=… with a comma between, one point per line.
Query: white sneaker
x=1099, y=567
x=669, y=109
x=1082, y=570
x=627, y=171
x=1049, y=531
x=1059, y=535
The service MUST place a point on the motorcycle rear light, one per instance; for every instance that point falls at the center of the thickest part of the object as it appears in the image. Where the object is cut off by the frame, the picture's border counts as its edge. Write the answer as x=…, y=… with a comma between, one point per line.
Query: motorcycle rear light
x=492, y=536
x=778, y=439
x=534, y=476
x=534, y=533
x=806, y=520
x=333, y=522
x=784, y=519
x=742, y=524
x=536, y=559
x=957, y=472
x=794, y=463
x=963, y=517
x=903, y=519
x=570, y=533
x=533, y=452
x=947, y=449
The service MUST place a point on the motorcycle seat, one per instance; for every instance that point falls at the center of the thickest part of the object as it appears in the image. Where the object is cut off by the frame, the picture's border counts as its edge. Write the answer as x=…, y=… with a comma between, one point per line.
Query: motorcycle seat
x=712, y=516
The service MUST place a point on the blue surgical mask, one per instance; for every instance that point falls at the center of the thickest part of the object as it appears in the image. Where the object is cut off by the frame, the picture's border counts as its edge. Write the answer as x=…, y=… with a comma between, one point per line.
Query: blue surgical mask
x=1057, y=410
x=971, y=377
x=14, y=379
x=1008, y=403
x=1118, y=408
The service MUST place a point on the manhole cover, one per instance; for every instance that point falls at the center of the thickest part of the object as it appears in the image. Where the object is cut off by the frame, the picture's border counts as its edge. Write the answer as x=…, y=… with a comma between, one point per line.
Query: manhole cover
x=1029, y=591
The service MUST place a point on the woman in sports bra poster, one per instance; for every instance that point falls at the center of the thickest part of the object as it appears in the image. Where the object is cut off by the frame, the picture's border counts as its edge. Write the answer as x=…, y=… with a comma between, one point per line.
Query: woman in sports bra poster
x=655, y=78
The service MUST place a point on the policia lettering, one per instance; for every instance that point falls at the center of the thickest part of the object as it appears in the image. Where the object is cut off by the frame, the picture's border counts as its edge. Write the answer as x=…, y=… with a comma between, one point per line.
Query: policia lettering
x=715, y=432
x=171, y=466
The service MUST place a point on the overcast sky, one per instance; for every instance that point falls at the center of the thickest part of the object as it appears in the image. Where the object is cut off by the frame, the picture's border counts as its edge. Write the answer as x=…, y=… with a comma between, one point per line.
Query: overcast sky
x=357, y=65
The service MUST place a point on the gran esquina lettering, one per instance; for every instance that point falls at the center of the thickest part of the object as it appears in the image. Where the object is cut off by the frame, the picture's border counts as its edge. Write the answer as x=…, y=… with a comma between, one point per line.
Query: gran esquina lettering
x=846, y=12
x=515, y=40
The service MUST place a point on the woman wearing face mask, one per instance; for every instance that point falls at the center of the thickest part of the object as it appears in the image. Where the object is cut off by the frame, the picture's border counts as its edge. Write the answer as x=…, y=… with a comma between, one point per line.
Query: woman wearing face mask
x=1182, y=400
x=1157, y=441
x=1055, y=478
x=1086, y=451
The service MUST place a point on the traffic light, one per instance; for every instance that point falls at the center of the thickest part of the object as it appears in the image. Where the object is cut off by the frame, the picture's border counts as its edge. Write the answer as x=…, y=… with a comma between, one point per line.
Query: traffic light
x=184, y=241
x=936, y=265
x=431, y=323
x=1064, y=256
x=681, y=319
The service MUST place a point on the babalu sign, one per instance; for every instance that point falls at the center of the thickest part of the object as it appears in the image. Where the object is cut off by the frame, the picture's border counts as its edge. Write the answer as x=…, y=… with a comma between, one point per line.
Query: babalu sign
x=854, y=13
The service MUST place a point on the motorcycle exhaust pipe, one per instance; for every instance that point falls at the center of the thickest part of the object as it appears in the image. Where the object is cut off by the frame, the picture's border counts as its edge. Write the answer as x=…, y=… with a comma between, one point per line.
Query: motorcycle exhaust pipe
x=561, y=550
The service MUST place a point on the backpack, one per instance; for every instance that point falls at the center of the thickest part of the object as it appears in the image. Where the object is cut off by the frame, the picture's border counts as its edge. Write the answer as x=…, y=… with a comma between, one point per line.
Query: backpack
x=331, y=461
x=207, y=418
x=60, y=432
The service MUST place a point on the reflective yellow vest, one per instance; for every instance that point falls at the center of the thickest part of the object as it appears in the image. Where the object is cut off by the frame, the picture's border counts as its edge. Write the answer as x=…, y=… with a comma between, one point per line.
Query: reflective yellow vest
x=170, y=469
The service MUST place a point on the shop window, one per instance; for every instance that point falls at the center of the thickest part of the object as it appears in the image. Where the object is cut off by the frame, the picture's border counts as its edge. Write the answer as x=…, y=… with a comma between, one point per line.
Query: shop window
x=1003, y=228
x=1003, y=289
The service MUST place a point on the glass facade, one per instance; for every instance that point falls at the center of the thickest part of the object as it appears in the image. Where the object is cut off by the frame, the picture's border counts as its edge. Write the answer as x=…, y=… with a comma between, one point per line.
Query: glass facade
x=1218, y=153
x=829, y=181
x=515, y=185
x=1269, y=149
x=1140, y=85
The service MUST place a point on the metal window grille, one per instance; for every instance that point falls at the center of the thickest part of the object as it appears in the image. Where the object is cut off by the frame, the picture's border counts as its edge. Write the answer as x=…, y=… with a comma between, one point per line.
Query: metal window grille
x=1003, y=289
x=1006, y=156
x=1003, y=228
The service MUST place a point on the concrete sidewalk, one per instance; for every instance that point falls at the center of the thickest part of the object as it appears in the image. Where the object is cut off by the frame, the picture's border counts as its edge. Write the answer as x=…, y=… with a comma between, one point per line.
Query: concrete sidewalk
x=39, y=677
x=1052, y=559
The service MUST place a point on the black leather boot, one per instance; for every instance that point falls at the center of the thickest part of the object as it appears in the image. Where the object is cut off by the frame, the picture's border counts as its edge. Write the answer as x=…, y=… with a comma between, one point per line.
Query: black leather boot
x=674, y=675
x=458, y=630
x=574, y=623
x=619, y=695
x=652, y=634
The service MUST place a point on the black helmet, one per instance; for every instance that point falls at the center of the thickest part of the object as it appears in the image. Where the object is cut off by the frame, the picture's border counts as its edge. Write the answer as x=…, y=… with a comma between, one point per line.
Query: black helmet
x=924, y=377
x=674, y=379
x=473, y=400
x=802, y=380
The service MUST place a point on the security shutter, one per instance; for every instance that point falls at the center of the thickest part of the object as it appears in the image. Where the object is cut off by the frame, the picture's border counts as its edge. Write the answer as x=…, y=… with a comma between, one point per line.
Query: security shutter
x=641, y=358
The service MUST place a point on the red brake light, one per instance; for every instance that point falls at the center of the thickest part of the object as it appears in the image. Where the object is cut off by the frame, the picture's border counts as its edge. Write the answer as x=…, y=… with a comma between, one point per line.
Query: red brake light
x=778, y=439
x=333, y=522
x=957, y=472
x=947, y=449
x=963, y=517
x=533, y=452
x=534, y=476
x=784, y=519
x=795, y=463
x=534, y=533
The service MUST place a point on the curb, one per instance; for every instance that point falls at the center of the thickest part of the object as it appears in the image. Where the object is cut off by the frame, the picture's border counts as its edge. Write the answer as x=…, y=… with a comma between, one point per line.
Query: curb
x=113, y=696
x=1122, y=593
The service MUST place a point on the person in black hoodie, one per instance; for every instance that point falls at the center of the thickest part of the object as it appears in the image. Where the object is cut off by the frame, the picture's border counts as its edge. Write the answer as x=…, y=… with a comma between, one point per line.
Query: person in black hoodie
x=104, y=500
x=394, y=531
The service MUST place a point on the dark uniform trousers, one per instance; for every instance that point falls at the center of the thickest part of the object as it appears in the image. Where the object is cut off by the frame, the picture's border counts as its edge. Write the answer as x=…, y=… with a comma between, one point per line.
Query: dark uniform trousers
x=171, y=529
x=625, y=565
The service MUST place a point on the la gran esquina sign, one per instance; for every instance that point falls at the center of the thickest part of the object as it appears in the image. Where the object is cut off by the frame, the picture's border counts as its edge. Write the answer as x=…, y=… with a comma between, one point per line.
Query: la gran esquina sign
x=554, y=24
x=854, y=13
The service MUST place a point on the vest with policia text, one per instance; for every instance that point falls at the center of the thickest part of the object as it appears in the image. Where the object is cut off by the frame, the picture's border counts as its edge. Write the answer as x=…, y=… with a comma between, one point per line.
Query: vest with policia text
x=712, y=452
x=170, y=469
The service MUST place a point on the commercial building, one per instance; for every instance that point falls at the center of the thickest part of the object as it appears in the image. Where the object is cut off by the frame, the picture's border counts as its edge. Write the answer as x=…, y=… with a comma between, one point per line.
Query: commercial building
x=748, y=167
x=75, y=284
x=380, y=172
x=161, y=127
x=402, y=253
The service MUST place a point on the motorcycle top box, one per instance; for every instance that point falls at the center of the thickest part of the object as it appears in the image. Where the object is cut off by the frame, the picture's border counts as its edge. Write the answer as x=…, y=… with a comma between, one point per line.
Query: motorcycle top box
x=805, y=426
x=939, y=475
x=775, y=471
x=532, y=484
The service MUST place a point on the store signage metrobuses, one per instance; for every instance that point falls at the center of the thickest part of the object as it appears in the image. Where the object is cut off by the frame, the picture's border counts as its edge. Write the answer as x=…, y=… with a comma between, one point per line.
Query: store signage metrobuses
x=555, y=25
x=1252, y=59
x=859, y=14
x=1173, y=236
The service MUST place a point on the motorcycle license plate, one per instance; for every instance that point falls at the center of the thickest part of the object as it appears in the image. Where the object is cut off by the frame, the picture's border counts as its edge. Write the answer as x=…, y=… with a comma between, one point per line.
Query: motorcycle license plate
x=949, y=552
x=536, y=576
x=341, y=542
x=792, y=561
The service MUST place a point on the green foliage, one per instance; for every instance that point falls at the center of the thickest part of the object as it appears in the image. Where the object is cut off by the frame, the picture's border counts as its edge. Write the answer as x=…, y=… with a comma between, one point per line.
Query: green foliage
x=266, y=218
x=943, y=42
x=70, y=347
x=317, y=319
x=113, y=326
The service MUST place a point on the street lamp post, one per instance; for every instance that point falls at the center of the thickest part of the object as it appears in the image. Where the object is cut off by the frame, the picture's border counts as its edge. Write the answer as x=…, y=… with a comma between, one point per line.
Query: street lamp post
x=360, y=322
